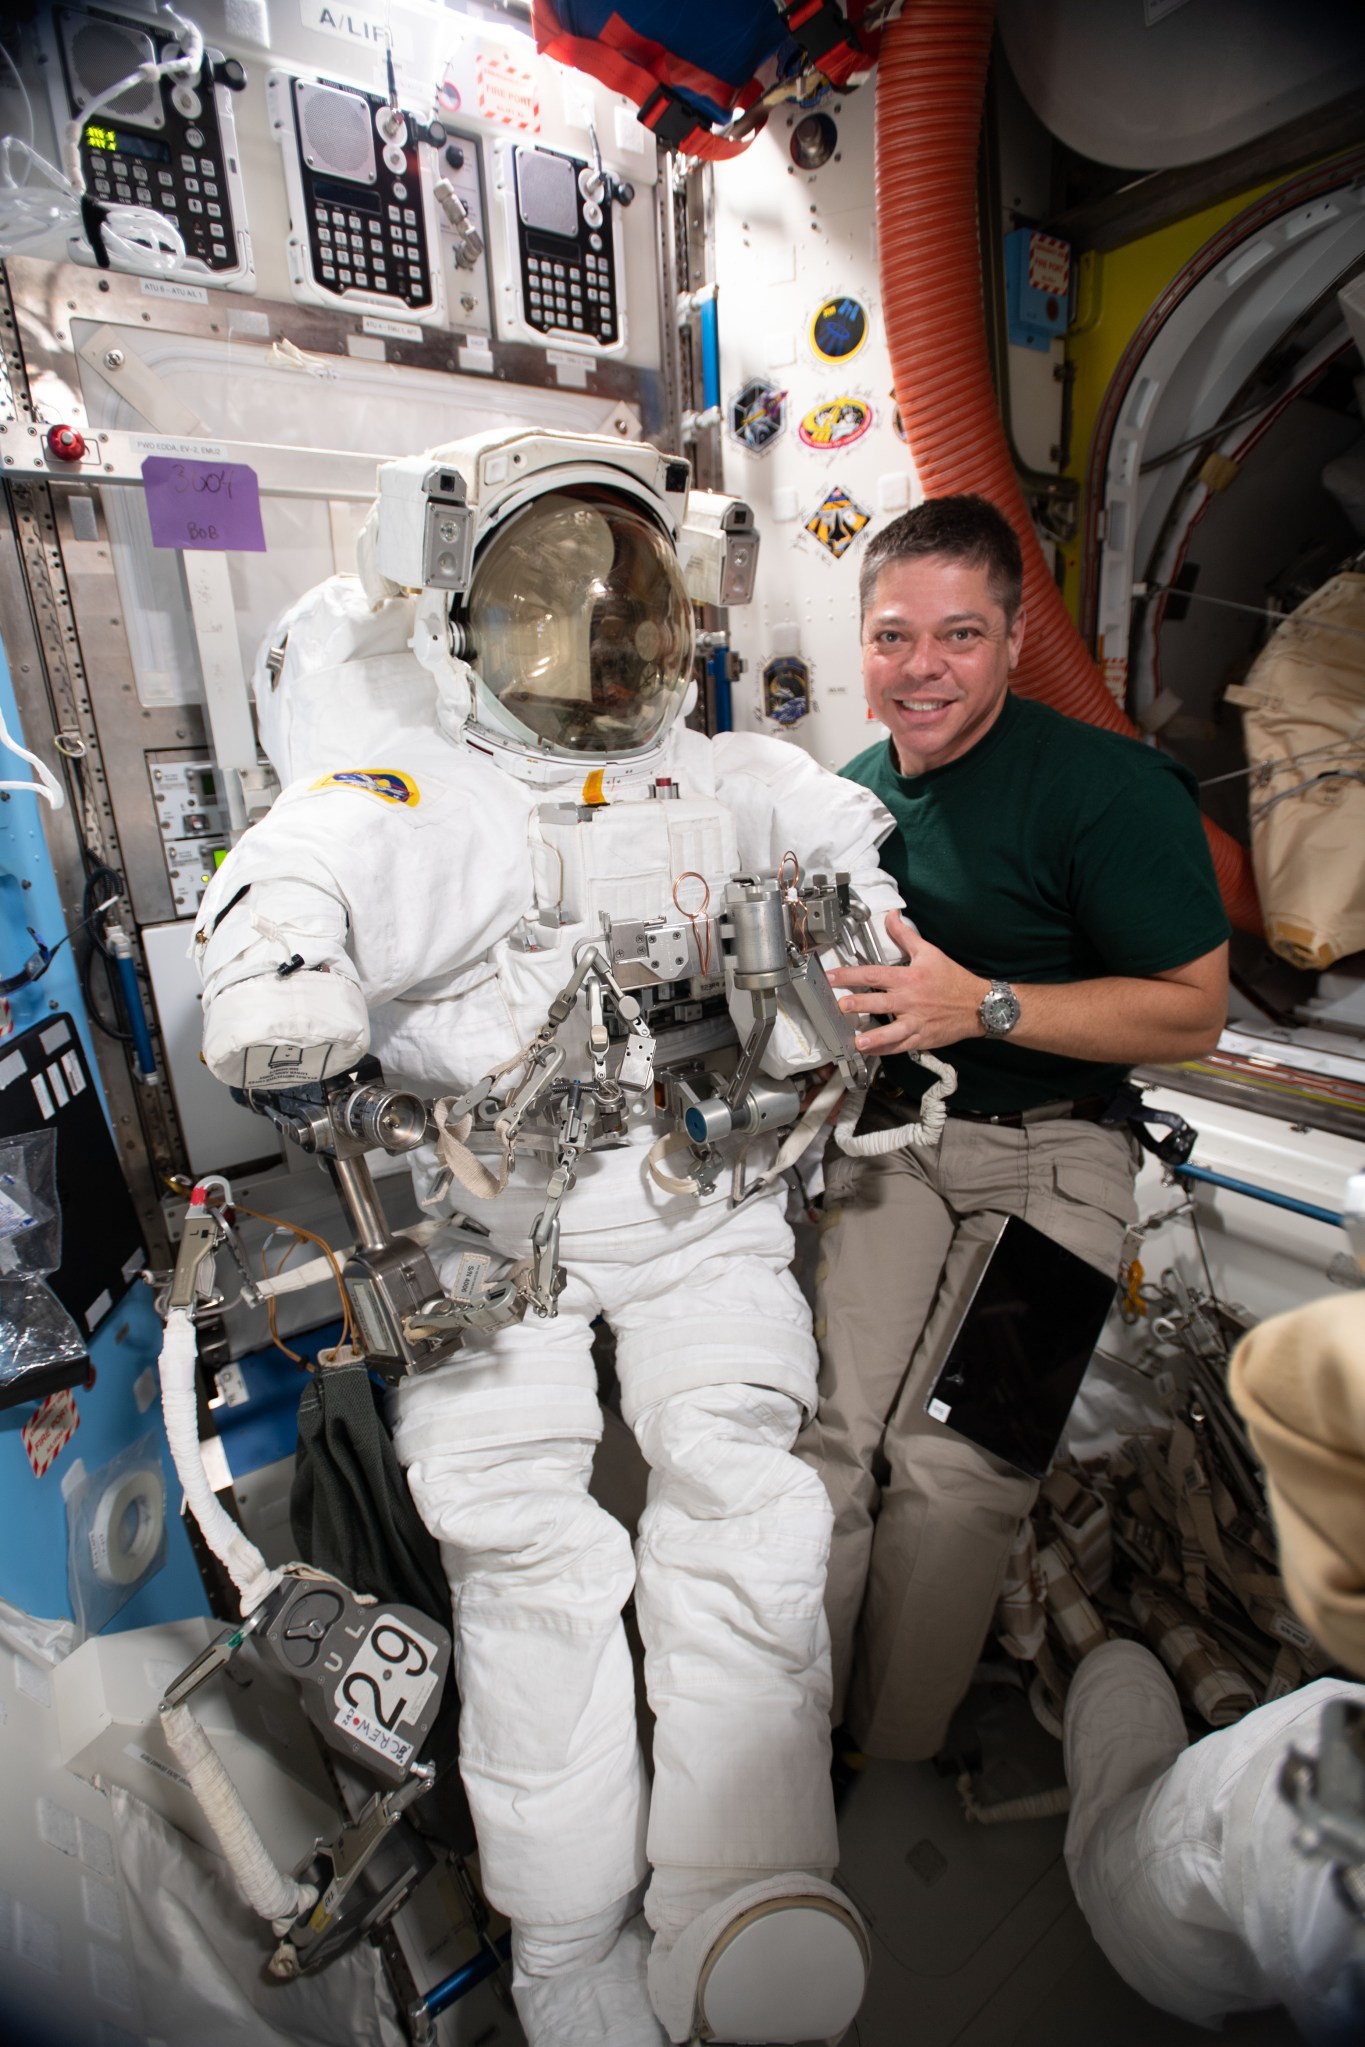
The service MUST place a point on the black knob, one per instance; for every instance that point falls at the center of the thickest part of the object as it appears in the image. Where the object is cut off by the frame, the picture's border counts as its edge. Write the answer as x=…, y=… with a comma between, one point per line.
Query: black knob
x=455, y=156
x=229, y=72
x=624, y=192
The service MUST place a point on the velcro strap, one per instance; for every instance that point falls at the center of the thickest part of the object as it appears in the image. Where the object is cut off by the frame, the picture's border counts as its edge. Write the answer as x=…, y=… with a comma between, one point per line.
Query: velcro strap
x=678, y=126
x=826, y=39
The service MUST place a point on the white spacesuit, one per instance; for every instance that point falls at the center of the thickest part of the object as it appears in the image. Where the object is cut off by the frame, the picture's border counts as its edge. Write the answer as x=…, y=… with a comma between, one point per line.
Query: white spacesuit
x=466, y=820
x=1184, y=1858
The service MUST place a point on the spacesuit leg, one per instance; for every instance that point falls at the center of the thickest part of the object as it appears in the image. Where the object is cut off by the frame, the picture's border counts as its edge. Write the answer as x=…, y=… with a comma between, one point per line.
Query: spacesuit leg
x=717, y=1371
x=498, y=1449
x=1185, y=1859
x=1145, y=1877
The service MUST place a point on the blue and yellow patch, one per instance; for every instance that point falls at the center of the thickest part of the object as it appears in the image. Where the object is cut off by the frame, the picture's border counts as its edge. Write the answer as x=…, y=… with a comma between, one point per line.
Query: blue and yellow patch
x=385, y=783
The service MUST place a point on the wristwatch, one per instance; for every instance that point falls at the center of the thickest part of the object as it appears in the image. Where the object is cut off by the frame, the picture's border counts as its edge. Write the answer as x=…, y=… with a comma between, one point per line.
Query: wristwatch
x=999, y=1010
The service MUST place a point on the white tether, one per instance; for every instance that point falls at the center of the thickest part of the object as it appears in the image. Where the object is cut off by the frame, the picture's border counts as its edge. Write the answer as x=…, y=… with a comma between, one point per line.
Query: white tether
x=238, y=1555
x=267, y=1890
x=933, y=1114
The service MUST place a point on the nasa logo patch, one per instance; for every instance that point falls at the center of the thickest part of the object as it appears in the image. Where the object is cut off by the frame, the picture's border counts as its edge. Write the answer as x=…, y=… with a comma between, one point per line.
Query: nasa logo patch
x=385, y=783
x=837, y=423
x=836, y=522
x=758, y=415
x=838, y=329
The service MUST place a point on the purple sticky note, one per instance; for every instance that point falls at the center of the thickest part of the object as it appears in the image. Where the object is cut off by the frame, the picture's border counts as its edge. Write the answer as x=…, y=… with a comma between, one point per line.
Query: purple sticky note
x=215, y=505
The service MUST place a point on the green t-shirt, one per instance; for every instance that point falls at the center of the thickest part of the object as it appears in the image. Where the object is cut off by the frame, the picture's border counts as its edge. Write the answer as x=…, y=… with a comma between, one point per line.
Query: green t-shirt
x=1051, y=852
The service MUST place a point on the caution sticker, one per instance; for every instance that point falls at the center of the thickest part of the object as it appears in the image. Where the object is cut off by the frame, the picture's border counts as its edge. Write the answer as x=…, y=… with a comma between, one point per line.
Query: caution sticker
x=837, y=423
x=758, y=415
x=836, y=522
x=838, y=329
x=50, y=1428
x=507, y=92
x=385, y=783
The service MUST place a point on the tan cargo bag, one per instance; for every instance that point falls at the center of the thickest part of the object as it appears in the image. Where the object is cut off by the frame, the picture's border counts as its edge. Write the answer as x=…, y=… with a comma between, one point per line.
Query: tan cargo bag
x=1304, y=705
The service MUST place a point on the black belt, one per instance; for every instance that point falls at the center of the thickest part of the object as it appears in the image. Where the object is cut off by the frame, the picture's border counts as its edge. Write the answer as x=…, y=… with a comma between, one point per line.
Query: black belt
x=1089, y=1109
x=886, y=1107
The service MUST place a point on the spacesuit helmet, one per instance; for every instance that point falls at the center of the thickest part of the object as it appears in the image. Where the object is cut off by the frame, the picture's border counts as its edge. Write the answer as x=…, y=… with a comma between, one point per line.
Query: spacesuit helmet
x=577, y=625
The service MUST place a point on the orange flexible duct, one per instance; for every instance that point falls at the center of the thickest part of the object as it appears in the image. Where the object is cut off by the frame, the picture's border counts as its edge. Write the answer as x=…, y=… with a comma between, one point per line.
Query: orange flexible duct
x=930, y=89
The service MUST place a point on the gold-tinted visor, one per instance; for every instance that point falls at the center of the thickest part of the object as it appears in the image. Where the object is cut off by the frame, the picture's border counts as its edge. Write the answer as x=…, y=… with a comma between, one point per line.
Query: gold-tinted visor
x=581, y=627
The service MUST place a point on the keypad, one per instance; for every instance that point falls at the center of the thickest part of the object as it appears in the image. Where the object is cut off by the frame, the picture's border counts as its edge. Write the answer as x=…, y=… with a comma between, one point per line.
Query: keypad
x=569, y=287
x=177, y=171
x=372, y=242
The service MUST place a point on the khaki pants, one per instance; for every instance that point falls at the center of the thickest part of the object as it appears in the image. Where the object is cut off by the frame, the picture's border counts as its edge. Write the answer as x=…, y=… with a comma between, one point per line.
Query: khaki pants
x=923, y=1520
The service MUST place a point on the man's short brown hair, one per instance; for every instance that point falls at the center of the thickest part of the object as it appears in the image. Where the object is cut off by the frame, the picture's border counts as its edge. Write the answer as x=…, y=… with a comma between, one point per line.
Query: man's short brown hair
x=964, y=529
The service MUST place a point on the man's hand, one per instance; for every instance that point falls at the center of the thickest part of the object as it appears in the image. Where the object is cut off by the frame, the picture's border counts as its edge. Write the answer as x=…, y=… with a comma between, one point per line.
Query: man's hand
x=1121, y=1020
x=930, y=1002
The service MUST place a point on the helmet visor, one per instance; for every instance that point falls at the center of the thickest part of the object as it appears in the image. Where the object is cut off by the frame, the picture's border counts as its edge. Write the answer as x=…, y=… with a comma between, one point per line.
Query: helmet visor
x=581, y=626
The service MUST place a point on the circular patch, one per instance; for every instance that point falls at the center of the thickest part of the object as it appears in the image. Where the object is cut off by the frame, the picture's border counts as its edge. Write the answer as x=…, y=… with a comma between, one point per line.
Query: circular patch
x=838, y=329
x=899, y=425
x=836, y=423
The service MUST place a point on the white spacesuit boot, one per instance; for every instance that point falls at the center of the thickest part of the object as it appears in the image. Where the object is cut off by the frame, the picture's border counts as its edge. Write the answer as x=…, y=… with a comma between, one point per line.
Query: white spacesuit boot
x=462, y=905
x=781, y=1960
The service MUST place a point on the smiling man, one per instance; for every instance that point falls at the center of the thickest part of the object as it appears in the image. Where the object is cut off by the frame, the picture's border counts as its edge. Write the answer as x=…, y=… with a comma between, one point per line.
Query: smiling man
x=1066, y=925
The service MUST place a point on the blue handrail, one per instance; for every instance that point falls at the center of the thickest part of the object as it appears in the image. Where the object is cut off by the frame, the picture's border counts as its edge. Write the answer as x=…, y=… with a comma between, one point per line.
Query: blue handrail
x=485, y=1963
x=710, y=353
x=1289, y=1201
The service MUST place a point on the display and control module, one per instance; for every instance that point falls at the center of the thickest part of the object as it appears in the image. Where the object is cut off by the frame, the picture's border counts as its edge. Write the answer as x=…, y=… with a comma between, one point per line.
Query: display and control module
x=360, y=206
x=170, y=146
x=566, y=256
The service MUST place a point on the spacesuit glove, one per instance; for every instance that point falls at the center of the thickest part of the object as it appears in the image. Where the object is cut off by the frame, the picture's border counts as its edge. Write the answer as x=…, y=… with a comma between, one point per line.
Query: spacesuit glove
x=277, y=1030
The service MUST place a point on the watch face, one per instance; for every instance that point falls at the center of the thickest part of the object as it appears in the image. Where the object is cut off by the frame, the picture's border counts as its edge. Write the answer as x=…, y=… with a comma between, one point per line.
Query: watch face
x=999, y=1011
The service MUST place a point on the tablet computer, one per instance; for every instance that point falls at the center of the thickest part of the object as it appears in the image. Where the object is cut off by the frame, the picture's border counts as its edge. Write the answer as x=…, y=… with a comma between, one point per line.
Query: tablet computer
x=1020, y=1350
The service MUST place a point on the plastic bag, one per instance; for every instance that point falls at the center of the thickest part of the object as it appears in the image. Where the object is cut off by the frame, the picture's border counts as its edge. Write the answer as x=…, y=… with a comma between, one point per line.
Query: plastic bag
x=116, y=1533
x=36, y=1333
x=30, y=1221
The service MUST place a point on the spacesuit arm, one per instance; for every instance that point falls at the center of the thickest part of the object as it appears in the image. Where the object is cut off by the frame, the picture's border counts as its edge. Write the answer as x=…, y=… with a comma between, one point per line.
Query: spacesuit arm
x=783, y=801
x=337, y=902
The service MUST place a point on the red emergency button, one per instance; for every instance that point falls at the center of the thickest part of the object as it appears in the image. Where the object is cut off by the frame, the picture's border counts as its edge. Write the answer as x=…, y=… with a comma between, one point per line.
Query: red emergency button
x=66, y=443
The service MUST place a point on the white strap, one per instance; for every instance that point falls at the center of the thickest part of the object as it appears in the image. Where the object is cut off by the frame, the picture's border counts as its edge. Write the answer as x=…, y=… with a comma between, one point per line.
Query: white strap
x=457, y=1158
x=795, y=1144
x=670, y=1183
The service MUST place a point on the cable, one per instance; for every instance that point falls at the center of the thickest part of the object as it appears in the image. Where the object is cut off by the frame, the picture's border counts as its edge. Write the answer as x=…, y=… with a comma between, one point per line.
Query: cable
x=103, y=889
x=23, y=92
x=29, y=973
x=702, y=937
x=47, y=786
x=311, y=1237
x=294, y=1356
